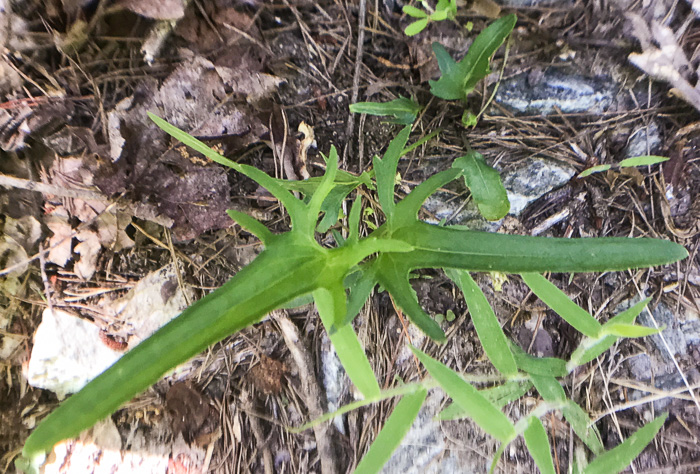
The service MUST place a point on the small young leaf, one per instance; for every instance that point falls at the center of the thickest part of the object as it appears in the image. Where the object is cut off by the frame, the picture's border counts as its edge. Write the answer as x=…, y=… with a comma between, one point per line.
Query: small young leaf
x=469, y=119
x=538, y=445
x=475, y=65
x=416, y=27
x=404, y=110
x=629, y=330
x=551, y=366
x=251, y=225
x=459, y=79
x=562, y=304
x=394, y=430
x=487, y=327
x=439, y=15
x=645, y=160
x=594, y=169
x=479, y=409
x=622, y=456
x=385, y=171
x=485, y=185
x=414, y=12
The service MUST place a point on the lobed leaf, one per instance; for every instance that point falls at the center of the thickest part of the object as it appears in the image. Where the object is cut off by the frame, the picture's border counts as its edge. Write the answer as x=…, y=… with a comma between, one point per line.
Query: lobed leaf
x=279, y=274
x=551, y=391
x=393, y=276
x=629, y=330
x=294, y=207
x=252, y=225
x=385, y=172
x=590, y=348
x=550, y=366
x=394, y=430
x=500, y=396
x=444, y=247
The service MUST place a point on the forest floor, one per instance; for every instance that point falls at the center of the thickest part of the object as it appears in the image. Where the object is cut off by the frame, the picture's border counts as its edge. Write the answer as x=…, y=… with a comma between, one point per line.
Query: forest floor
x=94, y=199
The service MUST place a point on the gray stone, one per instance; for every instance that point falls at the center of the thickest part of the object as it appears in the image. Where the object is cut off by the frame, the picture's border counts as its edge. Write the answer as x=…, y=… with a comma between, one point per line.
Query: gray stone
x=665, y=383
x=644, y=141
x=554, y=89
x=678, y=334
x=444, y=207
x=530, y=182
x=420, y=449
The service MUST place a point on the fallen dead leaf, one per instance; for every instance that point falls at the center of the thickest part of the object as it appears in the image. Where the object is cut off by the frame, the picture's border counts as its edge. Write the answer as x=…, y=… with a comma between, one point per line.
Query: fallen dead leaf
x=205, y=100
x=663, y=58
x=61, y=242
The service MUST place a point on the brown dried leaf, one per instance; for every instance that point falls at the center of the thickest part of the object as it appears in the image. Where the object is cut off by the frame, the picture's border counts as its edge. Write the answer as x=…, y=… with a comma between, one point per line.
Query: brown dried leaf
x=202, y=99
x=663, y=59
x=88, y=249
x=61, y=242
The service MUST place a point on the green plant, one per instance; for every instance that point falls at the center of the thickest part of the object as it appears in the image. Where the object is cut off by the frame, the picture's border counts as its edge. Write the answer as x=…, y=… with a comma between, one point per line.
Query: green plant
x=402, y=109
x=444, y=10
x=645, y=160
x=459, y=78
x=293, y=264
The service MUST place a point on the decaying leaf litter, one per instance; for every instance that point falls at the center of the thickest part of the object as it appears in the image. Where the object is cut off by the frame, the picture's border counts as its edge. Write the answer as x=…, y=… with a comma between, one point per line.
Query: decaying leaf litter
x=128, y=201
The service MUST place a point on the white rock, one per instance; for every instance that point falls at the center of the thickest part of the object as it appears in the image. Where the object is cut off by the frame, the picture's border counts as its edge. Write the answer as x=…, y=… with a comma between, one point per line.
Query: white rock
x=67, y=353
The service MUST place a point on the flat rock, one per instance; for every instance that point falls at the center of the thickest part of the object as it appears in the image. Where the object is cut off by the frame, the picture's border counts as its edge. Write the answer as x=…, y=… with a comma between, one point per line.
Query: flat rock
x=533, y=180
x=68, y=351
x=644, y=141
x=544, y=93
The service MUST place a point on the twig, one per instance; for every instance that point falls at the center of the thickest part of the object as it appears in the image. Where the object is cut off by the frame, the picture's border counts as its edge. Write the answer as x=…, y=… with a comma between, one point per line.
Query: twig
x=356, y=76
x=44, y=188
x=310, y=390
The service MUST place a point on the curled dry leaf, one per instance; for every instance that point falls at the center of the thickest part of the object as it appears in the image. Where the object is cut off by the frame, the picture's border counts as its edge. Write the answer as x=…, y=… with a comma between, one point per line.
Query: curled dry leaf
x=663, y=58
